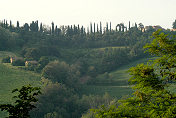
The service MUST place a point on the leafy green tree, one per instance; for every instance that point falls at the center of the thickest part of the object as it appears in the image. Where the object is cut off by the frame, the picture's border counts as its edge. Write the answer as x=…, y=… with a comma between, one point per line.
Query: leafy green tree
x=24, y=102
x=152, y=97
x=57, y=100
x=56, y=71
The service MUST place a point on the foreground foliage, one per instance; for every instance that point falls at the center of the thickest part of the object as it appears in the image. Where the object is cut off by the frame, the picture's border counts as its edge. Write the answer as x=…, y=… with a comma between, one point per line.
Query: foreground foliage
x=24, y=102
x=150, y=82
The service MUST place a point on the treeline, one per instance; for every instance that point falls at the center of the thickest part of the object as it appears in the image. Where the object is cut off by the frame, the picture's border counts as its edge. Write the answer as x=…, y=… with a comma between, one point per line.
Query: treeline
x=96, y=51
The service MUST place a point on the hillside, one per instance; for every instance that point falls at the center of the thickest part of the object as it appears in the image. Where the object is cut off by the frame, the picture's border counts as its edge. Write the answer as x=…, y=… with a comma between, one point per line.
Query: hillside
x=115, y=83
x=12, y=77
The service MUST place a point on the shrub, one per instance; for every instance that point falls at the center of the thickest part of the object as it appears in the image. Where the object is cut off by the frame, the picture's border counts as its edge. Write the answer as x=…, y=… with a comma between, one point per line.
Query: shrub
x=6, y=59
x=18, y=62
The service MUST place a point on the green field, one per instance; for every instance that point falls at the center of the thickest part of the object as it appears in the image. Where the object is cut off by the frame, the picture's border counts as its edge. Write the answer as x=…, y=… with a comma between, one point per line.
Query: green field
x=119, y=86
x=12, y=77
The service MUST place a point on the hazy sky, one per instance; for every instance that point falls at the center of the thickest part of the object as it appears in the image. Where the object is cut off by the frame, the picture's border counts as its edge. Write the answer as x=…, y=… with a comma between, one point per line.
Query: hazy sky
x=68, y=12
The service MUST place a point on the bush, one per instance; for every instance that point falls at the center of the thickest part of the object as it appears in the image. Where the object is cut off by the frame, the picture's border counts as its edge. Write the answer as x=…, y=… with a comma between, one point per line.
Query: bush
x=6, y=59
x=18, y=62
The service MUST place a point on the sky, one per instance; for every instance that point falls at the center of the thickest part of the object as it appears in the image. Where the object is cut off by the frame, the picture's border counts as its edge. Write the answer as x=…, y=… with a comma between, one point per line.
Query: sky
x=69, y=12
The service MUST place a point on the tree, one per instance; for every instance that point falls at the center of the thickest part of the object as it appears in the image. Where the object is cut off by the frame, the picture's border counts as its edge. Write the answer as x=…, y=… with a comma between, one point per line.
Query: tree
x=24, y=102
x=129, y=26
x=41, y=27
x=94, y=28
x=18, y=24
x=57, y=100
x=107, y=28
x=100, y=28
x=174, y=24
x=52, y=29
x=26, y=27
x=152, y=97
x=10, y=25
x=91, y=30
x=56, y=71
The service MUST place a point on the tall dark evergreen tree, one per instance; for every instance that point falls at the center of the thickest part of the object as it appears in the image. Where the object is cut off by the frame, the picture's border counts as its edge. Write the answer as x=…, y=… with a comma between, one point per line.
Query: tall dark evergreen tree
x=82, y=30
x=32, y=26
x=129, y=26
x=100, y=28
x=41, y=27
x=110, y=26
x=18, y=24
x=97, y=28
x=107, y=27
x=116, y=28
x=6, y=25
x=56, y=30
x=10, y=25
x=36, y=26
x=91, y=30
x=52, y=26
x=135, y=25
x=94, y=28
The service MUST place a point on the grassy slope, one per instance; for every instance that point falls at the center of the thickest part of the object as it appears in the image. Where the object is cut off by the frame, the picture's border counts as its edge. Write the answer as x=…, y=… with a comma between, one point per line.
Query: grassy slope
x=12, y=77
x=120, y=78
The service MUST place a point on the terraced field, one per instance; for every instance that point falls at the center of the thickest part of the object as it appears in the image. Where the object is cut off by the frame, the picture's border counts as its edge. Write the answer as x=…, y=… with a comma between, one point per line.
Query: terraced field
x=117, y=85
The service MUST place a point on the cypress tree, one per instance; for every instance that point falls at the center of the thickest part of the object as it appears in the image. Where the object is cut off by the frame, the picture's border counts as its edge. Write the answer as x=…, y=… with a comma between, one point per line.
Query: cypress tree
x=18, y=24
x=97, y=28
x=135, y=25
x=6, y=25
x=110, y=26
x=94, y=28
x=78, y=27
x=91, y=28
x=82, y=30
x=36, y=26
x=74, y=29
x=1, y=23
x=56, y=30
x=71, y=30
x=52, y=25
x=100, y=28
x=116, y=27
x=107, y=27
x=32, y=26
x=10, y=25
x=129, y=26
x=41, y=27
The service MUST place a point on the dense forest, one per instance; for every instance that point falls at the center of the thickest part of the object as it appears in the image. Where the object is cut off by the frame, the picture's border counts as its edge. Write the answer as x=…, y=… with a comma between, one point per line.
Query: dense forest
x=70, y=57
